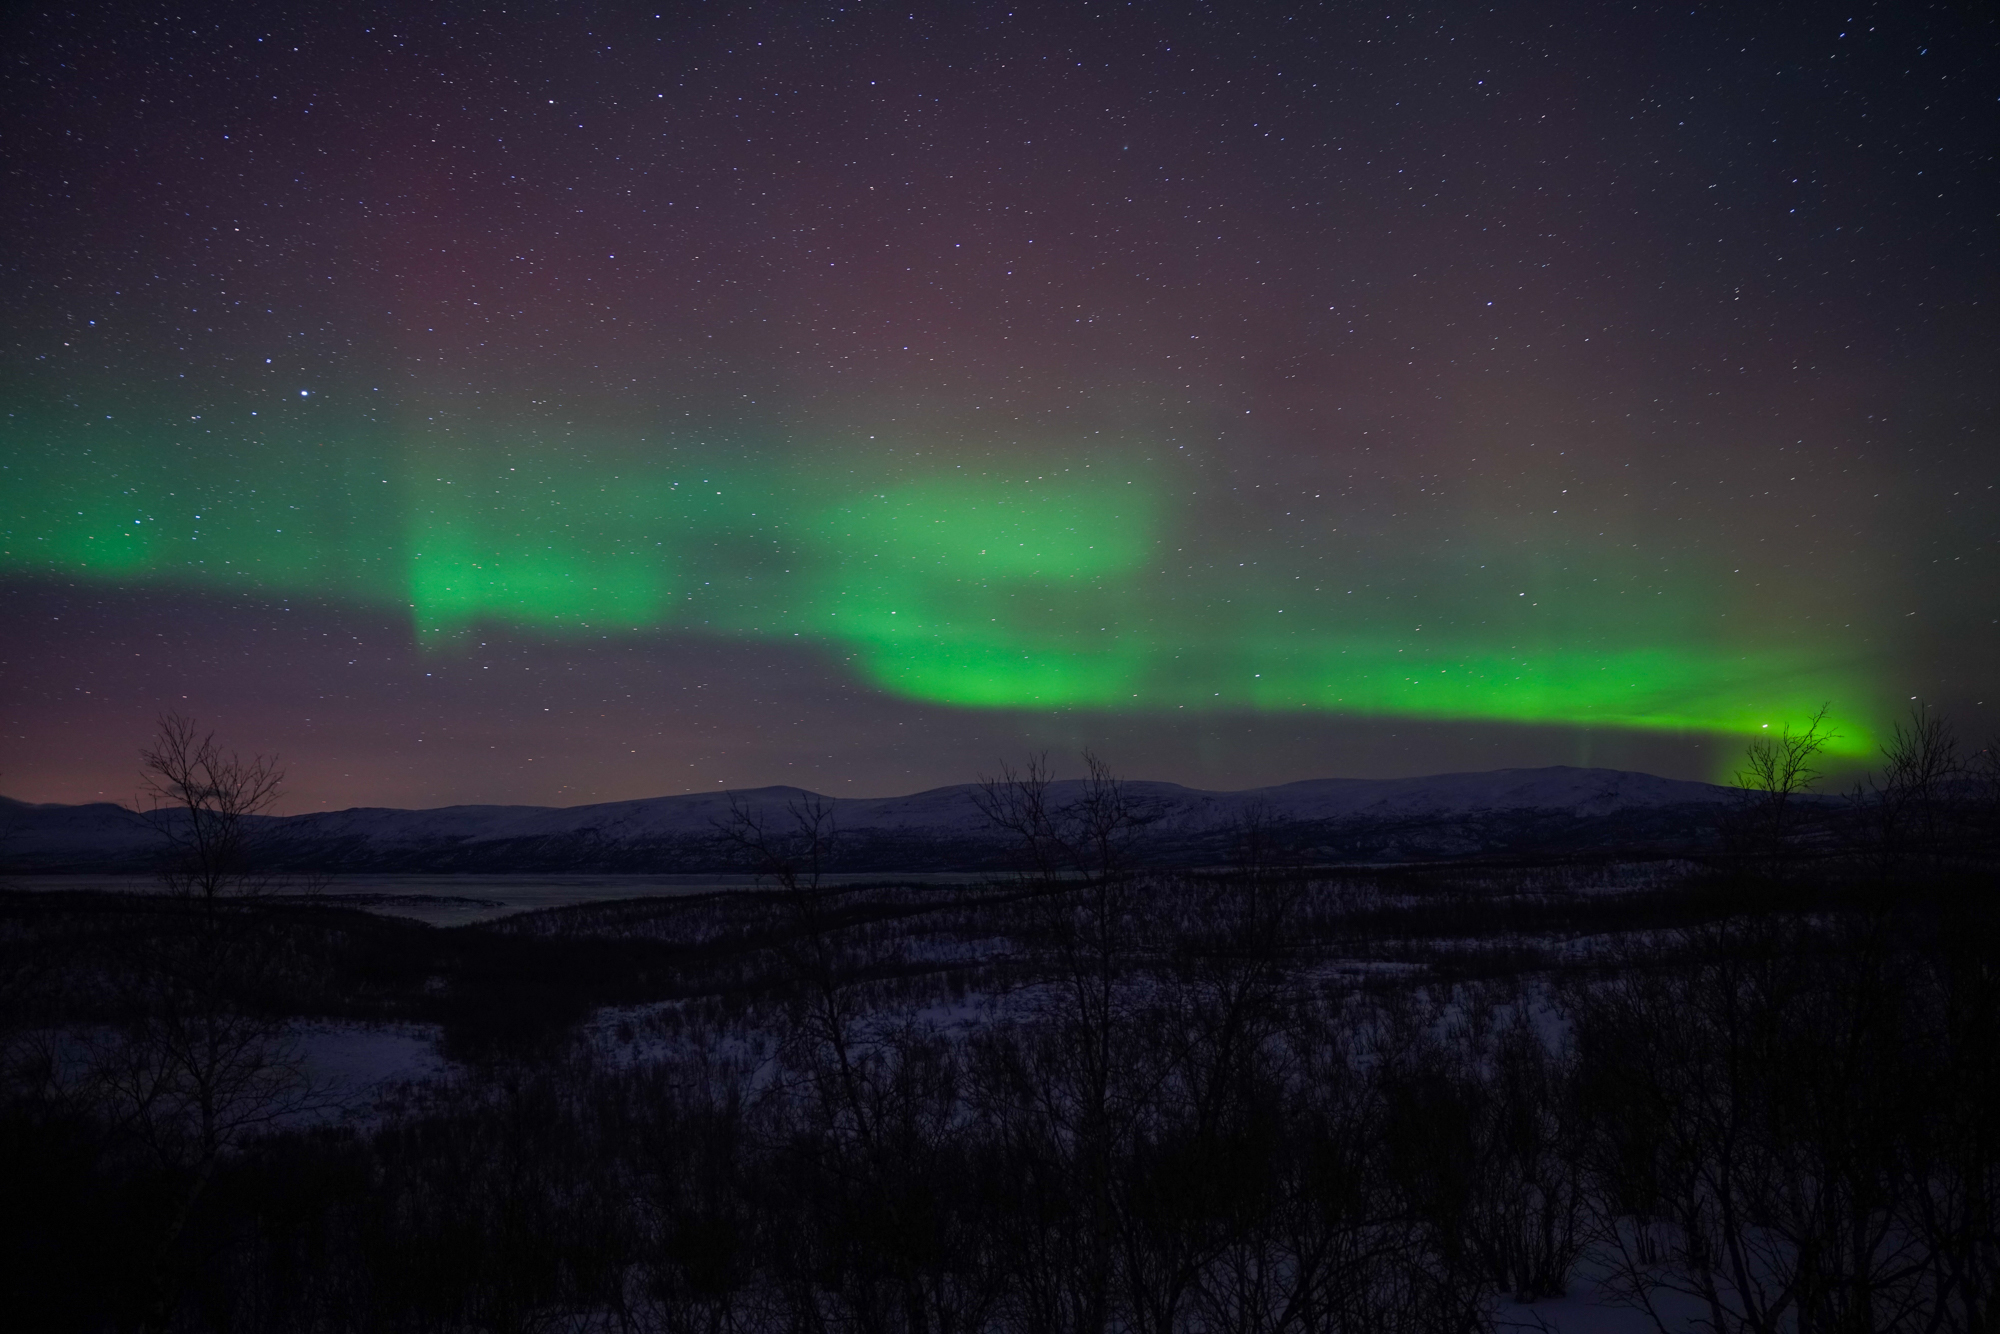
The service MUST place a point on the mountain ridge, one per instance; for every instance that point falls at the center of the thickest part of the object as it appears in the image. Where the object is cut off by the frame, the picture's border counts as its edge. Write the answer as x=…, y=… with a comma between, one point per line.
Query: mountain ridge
x=939, y=828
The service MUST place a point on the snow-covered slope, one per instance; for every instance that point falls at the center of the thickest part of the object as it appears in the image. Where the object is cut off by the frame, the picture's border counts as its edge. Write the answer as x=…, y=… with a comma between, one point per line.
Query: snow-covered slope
x=1441, y=813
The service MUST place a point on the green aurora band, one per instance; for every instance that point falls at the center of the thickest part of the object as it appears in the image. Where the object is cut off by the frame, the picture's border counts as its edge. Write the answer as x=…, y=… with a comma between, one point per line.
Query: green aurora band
x=1064, y=588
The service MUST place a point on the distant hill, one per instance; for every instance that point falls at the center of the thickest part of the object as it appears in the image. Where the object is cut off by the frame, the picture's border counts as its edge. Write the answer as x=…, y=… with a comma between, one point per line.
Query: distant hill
x=1326, y=819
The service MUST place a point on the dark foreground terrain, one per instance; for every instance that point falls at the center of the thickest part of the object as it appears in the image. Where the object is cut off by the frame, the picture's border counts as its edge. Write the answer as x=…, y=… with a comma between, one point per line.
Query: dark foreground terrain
x=1748, y=1092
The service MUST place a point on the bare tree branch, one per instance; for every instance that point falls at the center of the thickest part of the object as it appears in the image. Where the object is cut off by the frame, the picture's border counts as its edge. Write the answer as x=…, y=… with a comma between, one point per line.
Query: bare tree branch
x=202, y=799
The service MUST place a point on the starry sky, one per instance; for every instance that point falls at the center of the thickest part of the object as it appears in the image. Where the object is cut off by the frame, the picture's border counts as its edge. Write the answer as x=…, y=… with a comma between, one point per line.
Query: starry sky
x=582, y=402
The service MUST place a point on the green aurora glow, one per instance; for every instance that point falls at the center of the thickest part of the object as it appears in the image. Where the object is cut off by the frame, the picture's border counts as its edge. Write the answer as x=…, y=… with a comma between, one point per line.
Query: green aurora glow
x=1082, y=587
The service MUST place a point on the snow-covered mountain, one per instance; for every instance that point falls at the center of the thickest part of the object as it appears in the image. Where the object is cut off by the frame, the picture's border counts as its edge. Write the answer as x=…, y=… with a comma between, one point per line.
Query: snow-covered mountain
x=943, y=828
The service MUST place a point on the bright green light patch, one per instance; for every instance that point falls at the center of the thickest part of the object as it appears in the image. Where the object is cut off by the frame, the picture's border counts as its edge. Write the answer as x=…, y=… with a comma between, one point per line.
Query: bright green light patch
x=1053, y=588
x=996, y=595
x=551, y=552
x=104, y=541
x=1001, y=675
x=1658, y=690
x=133, y=502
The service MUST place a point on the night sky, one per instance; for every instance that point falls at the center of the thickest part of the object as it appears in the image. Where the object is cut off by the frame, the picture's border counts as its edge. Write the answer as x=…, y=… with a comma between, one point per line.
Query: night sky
x=588, y=402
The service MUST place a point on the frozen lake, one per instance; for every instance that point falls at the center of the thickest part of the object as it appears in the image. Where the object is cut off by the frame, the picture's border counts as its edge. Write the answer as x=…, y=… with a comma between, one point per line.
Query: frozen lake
x=454, y=900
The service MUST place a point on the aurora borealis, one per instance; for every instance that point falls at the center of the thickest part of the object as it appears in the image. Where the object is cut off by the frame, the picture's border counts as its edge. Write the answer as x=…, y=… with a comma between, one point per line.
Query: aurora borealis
x=585, y=403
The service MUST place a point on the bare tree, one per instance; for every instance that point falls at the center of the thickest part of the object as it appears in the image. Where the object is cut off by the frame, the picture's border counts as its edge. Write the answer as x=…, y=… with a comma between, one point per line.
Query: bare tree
x=203, y=801
x=1758, y=1128
x=1107, y=821
x=1777, y=771
x=1018, y=803
x=1069, y=1075
x=198, y=1064
x=1910, y=805
x=1093, y=836
x=793, y=854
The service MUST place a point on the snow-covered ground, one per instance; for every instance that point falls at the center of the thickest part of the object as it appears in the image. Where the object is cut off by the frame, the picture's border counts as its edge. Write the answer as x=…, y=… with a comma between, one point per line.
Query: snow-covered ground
x=1589, y=1309
x=355, y=1063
